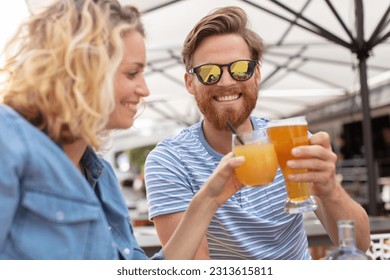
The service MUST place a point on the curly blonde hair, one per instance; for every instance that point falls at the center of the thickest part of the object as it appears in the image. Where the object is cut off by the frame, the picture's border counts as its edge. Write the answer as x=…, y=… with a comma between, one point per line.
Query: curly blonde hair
x=60, y=67
x=225, y=20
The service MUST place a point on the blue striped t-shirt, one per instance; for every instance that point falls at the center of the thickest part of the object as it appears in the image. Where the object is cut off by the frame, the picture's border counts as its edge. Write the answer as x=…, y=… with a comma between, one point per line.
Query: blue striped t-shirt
x=250, y=225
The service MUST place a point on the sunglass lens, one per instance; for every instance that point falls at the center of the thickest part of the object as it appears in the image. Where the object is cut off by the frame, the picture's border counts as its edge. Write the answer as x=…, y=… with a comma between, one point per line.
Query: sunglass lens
x=209, y=74
x=241, y=70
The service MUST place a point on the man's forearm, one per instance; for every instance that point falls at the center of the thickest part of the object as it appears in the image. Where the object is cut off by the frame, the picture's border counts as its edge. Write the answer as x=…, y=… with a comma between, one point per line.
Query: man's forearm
x=339, y=205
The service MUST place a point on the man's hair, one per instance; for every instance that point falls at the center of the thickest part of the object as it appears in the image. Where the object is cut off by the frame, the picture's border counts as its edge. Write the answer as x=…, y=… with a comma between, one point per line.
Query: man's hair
x=60, y=67
x=226, y=20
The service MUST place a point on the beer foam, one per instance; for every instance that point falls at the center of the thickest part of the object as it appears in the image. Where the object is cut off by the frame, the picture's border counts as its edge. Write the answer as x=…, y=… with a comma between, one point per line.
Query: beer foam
x=301, y=120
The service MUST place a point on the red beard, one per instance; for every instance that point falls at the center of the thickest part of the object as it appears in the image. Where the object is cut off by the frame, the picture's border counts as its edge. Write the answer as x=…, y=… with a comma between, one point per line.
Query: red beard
x=218, y=118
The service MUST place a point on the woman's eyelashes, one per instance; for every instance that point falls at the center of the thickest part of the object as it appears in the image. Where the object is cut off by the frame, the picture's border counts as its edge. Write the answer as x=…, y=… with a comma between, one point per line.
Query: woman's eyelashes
x=132, y=75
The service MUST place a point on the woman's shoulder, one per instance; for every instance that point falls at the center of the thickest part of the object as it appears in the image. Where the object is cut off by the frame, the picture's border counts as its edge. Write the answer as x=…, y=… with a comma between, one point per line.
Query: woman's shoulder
x=7, y=113
x=10, y=121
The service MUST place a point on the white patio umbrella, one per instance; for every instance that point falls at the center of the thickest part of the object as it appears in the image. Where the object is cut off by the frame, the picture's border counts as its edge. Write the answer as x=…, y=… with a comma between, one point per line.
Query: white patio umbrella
x=317, y=51
x=313, y=46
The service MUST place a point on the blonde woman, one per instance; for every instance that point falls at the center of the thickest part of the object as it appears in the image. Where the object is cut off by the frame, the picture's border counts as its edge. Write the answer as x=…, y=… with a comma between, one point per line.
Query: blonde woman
x=74, y=72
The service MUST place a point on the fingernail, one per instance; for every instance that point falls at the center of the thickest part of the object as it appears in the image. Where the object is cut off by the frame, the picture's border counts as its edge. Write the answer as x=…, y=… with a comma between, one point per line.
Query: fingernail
x=295, y=152
x=291, y=177
x=240, y=159
x=290, y=163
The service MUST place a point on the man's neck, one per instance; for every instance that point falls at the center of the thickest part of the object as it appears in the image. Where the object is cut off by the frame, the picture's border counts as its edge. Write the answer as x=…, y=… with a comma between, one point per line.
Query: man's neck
x=221, y=141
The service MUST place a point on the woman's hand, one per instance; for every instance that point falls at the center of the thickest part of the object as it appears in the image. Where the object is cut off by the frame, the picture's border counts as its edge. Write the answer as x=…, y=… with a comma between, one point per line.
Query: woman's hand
x=223, y=183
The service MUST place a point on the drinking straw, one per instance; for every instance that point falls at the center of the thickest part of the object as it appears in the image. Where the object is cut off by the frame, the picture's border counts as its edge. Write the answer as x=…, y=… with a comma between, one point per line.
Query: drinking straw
x=235, y=132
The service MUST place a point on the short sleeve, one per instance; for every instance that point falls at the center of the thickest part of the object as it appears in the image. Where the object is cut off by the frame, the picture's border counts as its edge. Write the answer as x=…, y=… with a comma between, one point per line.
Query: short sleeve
x=168, y=185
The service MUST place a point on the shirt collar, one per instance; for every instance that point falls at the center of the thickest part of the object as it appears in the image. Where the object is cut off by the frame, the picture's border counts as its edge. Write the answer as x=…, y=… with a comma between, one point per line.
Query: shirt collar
x=92, y=165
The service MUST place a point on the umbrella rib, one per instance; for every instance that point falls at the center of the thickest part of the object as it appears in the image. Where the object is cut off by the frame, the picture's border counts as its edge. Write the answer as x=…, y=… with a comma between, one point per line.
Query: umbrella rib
x=317, y=59
x=380, y=40
x=319, y=30
x=154, y=69
x=160, y=6
x=170, y=77
x=280, y=99
x=292, y=24
x=284, y=66
x=312, y=107
x=340, y=20
x=172, y=57
x=164, y=59
x=311, y=76
x=329, y=61
x=165, y=115
x=300, y=73
x=379, y=28
x=280, y=113
x=173, y=79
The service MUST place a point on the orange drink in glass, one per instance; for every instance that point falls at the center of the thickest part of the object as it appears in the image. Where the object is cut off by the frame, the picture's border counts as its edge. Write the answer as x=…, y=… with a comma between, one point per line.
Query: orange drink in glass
x=285, y=135
x=260, y=164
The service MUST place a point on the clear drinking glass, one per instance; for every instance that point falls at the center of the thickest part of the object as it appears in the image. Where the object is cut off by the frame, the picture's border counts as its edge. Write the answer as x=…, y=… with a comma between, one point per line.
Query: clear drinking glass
x=286, y=134
x=261, y=164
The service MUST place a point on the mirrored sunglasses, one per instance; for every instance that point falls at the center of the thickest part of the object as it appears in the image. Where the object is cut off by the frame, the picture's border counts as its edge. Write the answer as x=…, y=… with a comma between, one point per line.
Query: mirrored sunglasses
x=211, y=73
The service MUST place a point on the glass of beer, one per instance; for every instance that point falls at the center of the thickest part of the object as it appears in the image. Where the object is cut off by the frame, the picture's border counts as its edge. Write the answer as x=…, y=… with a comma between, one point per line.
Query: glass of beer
x=286, y=134
x=261, y=164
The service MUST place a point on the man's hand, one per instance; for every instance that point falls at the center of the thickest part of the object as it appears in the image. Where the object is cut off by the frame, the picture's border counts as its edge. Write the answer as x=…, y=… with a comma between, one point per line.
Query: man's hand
x=319, y=161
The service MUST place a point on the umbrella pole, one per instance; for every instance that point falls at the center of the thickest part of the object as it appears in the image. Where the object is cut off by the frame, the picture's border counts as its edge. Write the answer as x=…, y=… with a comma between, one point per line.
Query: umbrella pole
x=367, y=138
x=363, y=54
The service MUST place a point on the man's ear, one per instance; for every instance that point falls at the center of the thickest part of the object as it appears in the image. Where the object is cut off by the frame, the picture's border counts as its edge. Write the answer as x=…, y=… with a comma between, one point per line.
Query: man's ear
x=190, y=85
x=257, y=74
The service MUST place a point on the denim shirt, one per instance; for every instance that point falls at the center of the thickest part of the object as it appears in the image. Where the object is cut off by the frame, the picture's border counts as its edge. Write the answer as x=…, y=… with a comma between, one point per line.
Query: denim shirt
x=48, y=210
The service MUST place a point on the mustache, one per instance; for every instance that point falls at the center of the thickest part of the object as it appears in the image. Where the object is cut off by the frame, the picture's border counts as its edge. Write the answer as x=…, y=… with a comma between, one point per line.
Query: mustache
x=231, y=91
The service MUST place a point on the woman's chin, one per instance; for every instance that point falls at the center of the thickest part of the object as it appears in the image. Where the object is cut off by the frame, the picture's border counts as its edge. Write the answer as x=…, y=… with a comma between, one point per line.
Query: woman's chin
x=119, y=125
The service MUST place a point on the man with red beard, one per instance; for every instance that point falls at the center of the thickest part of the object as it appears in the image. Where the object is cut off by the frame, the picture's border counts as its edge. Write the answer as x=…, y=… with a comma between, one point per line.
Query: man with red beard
x=222, y=57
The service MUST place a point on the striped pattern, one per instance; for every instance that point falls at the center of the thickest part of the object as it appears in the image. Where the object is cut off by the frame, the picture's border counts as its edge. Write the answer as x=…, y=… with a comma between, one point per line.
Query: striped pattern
x=250, y=225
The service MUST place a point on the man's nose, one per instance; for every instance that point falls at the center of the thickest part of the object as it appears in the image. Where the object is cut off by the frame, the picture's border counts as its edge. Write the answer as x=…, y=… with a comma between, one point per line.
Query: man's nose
x=226, y=79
